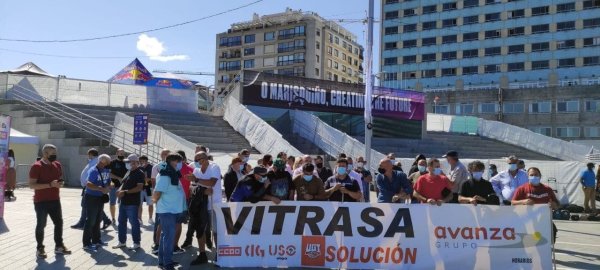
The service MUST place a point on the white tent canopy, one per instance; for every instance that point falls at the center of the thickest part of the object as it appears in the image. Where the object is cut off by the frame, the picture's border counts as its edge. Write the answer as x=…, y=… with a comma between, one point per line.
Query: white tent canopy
x=29, y=68
x=17, y=137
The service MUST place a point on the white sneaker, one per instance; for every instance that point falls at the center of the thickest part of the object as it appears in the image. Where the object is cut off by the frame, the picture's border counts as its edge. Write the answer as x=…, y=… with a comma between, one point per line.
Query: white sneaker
x=119, y=245
x=141, y=222
x=134, y=247
x=150, y=221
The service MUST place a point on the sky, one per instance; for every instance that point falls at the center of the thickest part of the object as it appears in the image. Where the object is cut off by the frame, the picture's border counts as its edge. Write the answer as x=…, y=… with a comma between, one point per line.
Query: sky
x=189, y=47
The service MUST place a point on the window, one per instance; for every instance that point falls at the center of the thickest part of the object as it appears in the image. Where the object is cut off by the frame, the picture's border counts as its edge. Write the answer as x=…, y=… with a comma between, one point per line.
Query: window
x=429, y=25
x=249, y=63
x=567, y=106
x=390, y=45
x=517, y=13
x=492, y=51
x=429, y=9
x=409, y=28
x=470, y=3
x=513, y=107
x=409, y=12
x=540, y=107
x=409, y=43
x=492, y=68
x=491, y=17
x=448, y=55
x=517, y=31
x=462, y=109
x=488, y=108
x=449, y=39
x=233, y=65
x=547, y=131
x=318, y=45
x=492, y=2
x=428, y=41
x=592, y=132
x=543, y=64
x=428, y=73
x=318, y=58
x=390, y=15
x=329, y=63
x=471, y=53
x=449, y=23
x=516, y=49
x=564, y=26
x=409, y=74
x=391, y=30
x=448, y=71
x=470, y=19
x=592, y=105
x=470, y=36
x=409, y=59
x=519, y=66
x=429, y=57
x=441, y=109
x=318, y=33
x=390, y=76
x=249, y=38
x=537, y=11
x=587, y=42
x=388, y=2
x=269, y=36
x=336, y=53
x=283, y=60
x=449, y=6
x=331, y=38
x=565, y=44
x=567, y=62
x=591, y=4
x=566, y=7
x=567, y=132
x=469, y=70
x=248, y=51
x=540, y=28
x=390, y=61
x=329, y=50
x=591, y=23
x=230, y=41
x=492, y=34
x=538, y=47
x=337, y=40
x=591, y=61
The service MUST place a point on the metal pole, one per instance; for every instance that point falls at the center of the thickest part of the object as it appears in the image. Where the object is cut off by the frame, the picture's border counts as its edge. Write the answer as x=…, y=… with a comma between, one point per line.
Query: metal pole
x=369, y=84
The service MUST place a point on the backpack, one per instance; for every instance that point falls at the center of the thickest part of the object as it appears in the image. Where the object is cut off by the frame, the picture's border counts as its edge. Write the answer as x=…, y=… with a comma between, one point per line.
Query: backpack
x=574, y=208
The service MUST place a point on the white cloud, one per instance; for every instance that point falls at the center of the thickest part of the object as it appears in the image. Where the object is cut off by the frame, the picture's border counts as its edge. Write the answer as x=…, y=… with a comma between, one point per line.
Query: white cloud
x=154, y=49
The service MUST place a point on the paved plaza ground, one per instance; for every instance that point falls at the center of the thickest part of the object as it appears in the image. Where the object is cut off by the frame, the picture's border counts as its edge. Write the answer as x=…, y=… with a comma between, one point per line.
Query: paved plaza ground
x=578, y=243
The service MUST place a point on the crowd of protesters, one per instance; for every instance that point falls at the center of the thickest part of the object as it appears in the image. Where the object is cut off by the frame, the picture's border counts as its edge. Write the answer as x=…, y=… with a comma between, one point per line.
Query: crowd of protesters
x=181, y=194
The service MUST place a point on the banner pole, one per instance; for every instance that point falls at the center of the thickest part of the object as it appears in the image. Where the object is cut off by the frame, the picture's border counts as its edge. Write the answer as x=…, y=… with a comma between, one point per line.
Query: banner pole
x=369, y=85
x=552, y=241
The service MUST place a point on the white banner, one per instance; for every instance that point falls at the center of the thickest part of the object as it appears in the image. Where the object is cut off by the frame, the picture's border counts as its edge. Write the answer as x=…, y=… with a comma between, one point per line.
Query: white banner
x=383, y=236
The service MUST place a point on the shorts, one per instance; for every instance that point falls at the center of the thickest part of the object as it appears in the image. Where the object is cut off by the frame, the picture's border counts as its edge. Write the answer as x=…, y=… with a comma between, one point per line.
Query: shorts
x=182, y=217
x=144, y=197
x=199, y=225
x=112, y=194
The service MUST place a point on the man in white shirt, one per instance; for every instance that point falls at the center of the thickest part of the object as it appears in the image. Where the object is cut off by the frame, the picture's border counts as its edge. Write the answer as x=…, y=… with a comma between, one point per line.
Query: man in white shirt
x=355, y=176
x=306, y=159
x=458, y=174
x=506, y=182
x=92, y=162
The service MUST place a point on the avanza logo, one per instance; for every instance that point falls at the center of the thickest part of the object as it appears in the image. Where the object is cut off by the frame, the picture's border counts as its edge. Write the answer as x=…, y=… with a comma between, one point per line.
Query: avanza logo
x=470, y=233
x=312, y=251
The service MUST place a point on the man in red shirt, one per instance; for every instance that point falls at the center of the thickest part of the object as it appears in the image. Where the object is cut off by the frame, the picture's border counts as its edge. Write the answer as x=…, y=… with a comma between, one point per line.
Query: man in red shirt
x=535, y=192
x=45, y=178
x=434, y=187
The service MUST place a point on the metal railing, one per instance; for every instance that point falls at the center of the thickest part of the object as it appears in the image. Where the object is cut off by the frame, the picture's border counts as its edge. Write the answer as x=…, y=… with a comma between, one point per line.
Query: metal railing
x=84, y=122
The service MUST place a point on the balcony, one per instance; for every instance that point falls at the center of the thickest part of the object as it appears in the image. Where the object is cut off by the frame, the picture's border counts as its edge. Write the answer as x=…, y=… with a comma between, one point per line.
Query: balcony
x=288, y=36
x=295, y=74
x=231, y=44
x=290, y=49
x=229, y=56
x=290, y=62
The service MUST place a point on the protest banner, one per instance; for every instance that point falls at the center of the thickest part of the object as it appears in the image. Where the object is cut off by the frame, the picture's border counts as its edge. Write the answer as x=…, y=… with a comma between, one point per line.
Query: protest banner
x=4, y=163
x=383, y=236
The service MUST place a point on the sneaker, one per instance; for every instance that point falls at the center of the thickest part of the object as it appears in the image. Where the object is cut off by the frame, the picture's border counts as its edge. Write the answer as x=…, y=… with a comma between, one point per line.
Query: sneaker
x=114, y=223
x=77, y=227
x=154, y=249
x=100, y=244
x=119, y=245
x=62, y=250
x=150, y=221
x=134, y=247
x=186, y=244
x=201, y=259
x=41, y=253
x=106, y=225
x=90, y=248
x=178, y=250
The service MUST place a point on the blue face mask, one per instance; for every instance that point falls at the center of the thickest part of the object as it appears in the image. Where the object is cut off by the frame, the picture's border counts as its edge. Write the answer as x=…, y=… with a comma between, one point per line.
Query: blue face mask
x=341, y=170
x=422, y=168
x=241, y=167
x=512, y=167
x=197, y=164
x=308, y=178
x=534, y=180
x=437, y=171
x=350, y=167
x=128, y=166
x=179, y=166
x=477, y=175
x=263, y=179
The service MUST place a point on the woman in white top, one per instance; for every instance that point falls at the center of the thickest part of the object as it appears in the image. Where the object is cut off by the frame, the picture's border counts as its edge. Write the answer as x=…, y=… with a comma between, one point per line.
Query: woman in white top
x=11, y=177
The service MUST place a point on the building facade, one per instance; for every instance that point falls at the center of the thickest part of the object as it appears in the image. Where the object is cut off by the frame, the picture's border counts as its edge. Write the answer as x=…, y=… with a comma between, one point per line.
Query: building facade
x=293, y=43
x=489, y=44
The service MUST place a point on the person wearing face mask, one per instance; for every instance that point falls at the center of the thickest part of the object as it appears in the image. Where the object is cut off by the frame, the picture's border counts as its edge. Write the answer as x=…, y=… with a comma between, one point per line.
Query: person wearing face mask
x=433, y=188
x=322, y=171
x=421, y=170
x=129, y=194
x=164, y=153
x=476, y=190
x=245, y=156
x=341, y=187
x=397, y=165
x=92, y=162
x=281, y=186
x=506, y=182
x=306, y=159
x=393, y=185
x=458, y=174
x=493, y=171
x=98, y=185
x=233, y=175
x=117, y=171
x=354, y=175
x=169, y=198
x=365, y=177
x=415, y=166
x=534, y=192
x=45, y=178
x=146, y=194
x=253, y=188
x=11, y=177
x=185, y=171
x=309, y=187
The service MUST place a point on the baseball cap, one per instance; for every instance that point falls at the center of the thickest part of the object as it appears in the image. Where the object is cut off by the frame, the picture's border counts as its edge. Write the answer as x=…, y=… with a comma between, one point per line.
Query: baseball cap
x=279, y=164
x=132, y=157
x=453, y=154
x=259, y=170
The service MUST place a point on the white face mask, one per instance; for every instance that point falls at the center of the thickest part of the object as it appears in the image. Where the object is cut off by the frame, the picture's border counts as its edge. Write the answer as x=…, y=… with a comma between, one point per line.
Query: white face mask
x=360, y=164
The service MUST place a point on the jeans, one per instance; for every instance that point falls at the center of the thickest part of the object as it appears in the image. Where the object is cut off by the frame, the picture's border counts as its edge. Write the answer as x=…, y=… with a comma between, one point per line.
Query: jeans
x=129, y=212
x=112, y=195
x=167, y=238
x=81, y=221
x=42, y=211
x=91, y=229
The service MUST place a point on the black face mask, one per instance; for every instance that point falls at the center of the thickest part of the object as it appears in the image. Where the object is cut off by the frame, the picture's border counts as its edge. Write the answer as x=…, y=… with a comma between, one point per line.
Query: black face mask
x=319, y=165
x=121, y=157
x=52, y=158
x=381, y=170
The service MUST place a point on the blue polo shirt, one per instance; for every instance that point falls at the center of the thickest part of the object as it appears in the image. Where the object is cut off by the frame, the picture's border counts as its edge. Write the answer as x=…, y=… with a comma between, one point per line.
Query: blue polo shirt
x=98, y=177
x=172, y=197
x=588, y=179
x=387, y=188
